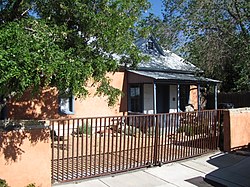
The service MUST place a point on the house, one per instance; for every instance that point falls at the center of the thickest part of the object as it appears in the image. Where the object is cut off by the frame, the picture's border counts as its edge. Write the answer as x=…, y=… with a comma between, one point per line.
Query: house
x=166, y=83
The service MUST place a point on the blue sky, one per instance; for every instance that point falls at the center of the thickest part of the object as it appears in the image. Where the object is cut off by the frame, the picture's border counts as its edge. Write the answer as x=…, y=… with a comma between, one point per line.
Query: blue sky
x=156, y=7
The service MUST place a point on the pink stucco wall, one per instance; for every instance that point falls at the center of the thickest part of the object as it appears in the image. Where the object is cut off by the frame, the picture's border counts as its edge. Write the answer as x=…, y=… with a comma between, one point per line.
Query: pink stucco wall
x=94, y=106
x=236, y=128
x=25, y=157
x=46, y=105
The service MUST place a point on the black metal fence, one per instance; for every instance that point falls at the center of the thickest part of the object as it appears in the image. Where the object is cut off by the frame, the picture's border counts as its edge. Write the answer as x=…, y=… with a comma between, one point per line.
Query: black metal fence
x=241, y=99
x=89, y=147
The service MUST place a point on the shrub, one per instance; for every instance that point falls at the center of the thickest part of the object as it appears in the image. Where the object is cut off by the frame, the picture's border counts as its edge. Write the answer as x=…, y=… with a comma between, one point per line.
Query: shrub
x=31, y=185
x=3, y=183
x=84, y=129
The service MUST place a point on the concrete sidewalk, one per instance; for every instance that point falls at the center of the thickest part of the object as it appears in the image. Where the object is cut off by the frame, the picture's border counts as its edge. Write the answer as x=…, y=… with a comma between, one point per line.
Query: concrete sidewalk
x=215, y=169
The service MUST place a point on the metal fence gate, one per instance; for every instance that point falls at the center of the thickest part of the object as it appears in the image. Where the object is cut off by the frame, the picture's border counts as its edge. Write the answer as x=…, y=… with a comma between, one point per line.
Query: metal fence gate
x=89, y=147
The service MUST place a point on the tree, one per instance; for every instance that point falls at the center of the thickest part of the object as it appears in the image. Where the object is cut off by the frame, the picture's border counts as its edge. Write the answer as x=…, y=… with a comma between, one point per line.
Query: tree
x=215, y=36
x=66, y=43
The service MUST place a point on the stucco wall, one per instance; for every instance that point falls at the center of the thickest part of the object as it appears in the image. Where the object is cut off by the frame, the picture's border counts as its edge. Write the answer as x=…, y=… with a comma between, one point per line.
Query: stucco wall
x=46, y=105
x=236, y=128
x=193, y=98
x=94, y=106
x=25, y=157
x=43, y=106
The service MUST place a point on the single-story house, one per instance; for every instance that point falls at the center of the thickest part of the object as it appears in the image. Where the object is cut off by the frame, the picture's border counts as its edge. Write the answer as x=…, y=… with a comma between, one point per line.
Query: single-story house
x=165, y=83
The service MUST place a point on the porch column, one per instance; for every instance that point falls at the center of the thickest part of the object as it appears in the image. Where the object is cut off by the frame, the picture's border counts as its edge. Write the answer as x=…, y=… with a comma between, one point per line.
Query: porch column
x=154, y=99
x=178, y=98
x=215, y=96
x=199, y=97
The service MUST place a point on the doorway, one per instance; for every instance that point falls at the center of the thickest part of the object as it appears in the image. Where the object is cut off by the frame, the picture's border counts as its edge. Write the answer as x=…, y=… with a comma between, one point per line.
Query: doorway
x=162, y=98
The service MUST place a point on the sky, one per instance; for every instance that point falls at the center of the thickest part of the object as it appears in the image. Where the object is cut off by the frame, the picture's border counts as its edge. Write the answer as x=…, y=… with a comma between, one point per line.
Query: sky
x=156, y=7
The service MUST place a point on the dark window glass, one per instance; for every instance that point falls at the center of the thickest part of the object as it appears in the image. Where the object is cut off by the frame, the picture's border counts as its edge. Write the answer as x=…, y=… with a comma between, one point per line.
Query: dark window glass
x=135, y=98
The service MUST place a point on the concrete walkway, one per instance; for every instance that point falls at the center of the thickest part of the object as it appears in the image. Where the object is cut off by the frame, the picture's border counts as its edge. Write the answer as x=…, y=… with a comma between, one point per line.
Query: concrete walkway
x=215, y=169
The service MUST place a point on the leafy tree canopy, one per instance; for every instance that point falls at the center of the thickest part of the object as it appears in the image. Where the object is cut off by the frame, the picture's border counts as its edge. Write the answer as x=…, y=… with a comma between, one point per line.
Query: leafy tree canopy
x=66, y=43
x=214, y=35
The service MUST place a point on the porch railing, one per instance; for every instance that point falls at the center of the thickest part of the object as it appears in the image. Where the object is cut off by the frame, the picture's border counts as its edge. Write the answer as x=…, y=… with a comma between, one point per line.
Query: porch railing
x=88, y=147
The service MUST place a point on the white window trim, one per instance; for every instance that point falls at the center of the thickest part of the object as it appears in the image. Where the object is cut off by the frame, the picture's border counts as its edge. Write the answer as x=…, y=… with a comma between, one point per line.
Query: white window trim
x=64, y=105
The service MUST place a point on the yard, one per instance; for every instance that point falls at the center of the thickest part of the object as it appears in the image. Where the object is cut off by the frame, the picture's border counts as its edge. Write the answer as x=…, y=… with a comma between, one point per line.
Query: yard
x=82, y=152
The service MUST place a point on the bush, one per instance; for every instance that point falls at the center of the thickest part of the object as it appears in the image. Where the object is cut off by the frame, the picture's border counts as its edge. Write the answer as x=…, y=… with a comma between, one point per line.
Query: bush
x=84, y=129
x=31, y=185
x=3, y=183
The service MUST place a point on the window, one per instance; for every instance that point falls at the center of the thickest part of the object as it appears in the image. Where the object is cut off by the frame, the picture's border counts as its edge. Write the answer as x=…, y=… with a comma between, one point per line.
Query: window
x=66, y=105
x=135, y=98
x=150, y=45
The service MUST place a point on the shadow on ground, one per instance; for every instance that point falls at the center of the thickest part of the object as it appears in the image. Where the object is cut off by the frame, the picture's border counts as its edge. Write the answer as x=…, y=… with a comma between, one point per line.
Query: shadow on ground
x=233, y=170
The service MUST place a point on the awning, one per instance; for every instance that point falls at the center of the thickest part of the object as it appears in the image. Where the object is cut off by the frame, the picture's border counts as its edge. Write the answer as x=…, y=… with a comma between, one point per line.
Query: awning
x=174, y=77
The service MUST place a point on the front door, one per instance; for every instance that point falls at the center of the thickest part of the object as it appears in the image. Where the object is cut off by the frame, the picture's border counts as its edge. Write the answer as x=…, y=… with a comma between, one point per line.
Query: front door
x=162, y=98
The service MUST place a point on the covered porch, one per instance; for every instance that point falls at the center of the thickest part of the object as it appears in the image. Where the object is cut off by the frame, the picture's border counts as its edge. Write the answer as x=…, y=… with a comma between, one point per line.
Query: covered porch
x=152, y=92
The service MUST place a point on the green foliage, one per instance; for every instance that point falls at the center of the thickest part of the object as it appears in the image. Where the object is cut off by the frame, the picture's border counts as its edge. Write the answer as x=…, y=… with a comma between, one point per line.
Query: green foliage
x=84, y=129
x=67, y=44
x=31, y=185
x=215, y=36
x=3, y=183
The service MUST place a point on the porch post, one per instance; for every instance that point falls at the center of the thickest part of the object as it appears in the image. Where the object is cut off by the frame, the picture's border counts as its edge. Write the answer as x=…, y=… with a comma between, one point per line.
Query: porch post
x=199, y=96
x=178, y=98
x=215, y=96
x=154, y=99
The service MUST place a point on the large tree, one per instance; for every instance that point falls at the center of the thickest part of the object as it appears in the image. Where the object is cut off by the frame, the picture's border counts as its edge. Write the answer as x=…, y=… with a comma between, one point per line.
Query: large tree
x=66, y=43
x=215, y=36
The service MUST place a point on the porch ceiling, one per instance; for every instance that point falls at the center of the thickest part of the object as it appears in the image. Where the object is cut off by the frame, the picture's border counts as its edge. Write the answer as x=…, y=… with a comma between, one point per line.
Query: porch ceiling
x=174, y=77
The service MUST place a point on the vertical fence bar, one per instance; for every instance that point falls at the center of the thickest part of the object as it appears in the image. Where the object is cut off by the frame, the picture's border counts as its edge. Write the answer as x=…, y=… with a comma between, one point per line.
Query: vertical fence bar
x=90, y=146
x=170, y=137
x=175, y=135
x=73, y=149
x=139, y=149
x=52, y=134
x=87, y=142
x=149, y=140
x=132, y=137
x=146, y=158
x=165, y=137
x=112, y=144
x=156, y=140
x=135, y=137
x=110, y=128
x=124, y=141
x=82, y=146
x=77, y=147
x=179, y=145
x=58, y=153
x=104, y=143
x=143, y=126
x=128, y=143
x=116, y=142
x=120, y=143
x=63, y=161
x=95, y=146
x=100, y=144
x=68, y=150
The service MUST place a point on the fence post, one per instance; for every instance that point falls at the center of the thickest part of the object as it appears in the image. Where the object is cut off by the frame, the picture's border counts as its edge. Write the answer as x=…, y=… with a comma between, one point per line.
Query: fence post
x=156, y=142
x=225, y=129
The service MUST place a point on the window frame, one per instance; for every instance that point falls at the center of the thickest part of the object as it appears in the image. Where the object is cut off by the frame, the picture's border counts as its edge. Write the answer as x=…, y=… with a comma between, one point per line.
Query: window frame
x=66, y=108
x=139, y=99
